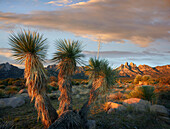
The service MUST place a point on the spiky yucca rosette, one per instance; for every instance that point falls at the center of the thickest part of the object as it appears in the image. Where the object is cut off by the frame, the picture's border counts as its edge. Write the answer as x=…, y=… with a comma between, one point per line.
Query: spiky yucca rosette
x=68, y=55
x=29, y=47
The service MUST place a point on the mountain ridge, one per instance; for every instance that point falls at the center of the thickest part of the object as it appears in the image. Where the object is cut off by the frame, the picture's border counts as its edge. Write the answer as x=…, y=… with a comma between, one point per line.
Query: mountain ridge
x=131, y=70
x=124, y=70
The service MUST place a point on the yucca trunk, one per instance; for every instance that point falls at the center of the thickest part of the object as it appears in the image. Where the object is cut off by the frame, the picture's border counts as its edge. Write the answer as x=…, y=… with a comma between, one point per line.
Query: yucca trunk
x=65, y=87
x=36, y=80
x=94, y=92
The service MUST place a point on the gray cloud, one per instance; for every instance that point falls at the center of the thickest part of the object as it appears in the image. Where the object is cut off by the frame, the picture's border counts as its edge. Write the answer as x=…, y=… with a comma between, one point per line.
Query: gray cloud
x=140, y=22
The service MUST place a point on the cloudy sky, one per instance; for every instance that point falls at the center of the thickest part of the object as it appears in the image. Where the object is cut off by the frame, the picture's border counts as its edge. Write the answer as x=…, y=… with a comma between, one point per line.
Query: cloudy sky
x=129, y=30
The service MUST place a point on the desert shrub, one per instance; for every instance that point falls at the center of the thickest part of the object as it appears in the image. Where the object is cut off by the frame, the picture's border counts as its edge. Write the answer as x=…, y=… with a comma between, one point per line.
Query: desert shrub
x=143, y=92
x=2, y=93
x=131, y=87
x=17, y=83
x=165, y=80
x=4, y=82
x=11, y=92
x=146, y=78
x=2, y=86
x=10, y=80
x=137, y=79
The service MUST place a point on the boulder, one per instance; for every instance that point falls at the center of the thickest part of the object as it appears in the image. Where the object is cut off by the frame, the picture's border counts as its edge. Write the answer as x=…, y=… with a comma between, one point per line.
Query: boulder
x=12, y=102
x=25, y=95
x=91, y=124
x=23, y=91
x=137, y=104
x=159, y=109
x=111, y=107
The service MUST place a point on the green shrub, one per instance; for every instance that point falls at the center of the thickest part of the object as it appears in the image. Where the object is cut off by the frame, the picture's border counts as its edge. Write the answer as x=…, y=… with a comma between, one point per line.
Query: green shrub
x=143, y=92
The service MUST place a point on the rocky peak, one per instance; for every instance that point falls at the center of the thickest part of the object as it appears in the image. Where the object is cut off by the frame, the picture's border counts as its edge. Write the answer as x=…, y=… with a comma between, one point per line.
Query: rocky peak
x=7, y=66
x=132, y=64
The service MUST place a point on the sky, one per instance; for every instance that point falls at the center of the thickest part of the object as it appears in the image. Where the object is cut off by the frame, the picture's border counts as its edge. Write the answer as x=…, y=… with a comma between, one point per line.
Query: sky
x=135, y=31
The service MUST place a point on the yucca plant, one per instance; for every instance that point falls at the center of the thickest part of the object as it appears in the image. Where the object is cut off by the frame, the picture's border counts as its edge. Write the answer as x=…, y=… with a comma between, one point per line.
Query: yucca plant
x=101, y=76
x=68, y=55
x=30, y=48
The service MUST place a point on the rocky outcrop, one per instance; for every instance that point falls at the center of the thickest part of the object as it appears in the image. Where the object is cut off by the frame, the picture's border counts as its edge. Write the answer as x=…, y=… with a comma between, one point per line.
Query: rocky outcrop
x=131, y=70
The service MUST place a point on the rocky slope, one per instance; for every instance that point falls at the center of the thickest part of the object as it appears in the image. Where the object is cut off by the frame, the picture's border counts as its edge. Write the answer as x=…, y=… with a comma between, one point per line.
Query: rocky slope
x=9, y=71
x=131, y=70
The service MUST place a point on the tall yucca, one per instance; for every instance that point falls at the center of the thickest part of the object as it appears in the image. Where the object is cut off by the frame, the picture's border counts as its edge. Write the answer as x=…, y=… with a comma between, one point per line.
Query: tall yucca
x=101, y=76
x=30, y=47
x=68, y=55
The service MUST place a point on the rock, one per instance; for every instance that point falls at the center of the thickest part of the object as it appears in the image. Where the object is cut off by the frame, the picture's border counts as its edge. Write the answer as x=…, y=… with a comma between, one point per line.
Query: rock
x=91, y=124
x=23, y=91
x=159, y=109
x=12, y=102
x=111, y=107
x=25, y=95
x=137, y=104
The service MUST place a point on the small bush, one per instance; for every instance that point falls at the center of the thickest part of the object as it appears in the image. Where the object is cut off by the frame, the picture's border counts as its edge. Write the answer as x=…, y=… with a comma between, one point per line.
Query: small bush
x=137, y=79
x=146, y=78
x=130, y=87
x=165, y=80
x=2, y=93
x=144, y=92
x=2, y=87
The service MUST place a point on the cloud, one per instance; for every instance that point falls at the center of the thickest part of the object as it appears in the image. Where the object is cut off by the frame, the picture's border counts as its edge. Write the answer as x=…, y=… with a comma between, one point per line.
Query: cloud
x=140, y=22
x=59, y=2
x=5, y=52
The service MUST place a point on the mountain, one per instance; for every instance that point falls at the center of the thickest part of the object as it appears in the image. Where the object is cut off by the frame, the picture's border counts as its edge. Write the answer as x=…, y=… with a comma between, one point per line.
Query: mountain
x=9, y=71
x=79, y=73
x=131, y=70
x=125, y=70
